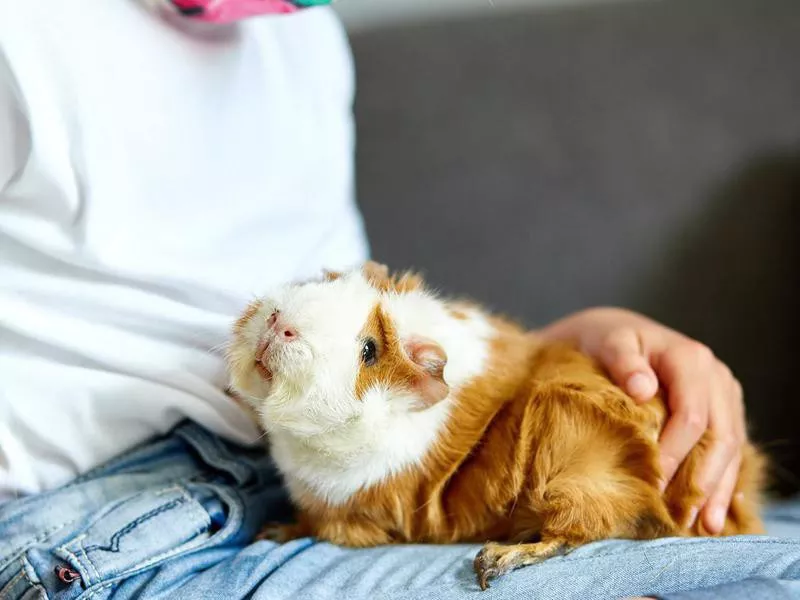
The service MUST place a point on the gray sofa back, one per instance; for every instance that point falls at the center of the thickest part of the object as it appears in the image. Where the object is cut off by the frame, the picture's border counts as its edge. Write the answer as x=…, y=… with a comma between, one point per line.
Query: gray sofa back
x=644, y=154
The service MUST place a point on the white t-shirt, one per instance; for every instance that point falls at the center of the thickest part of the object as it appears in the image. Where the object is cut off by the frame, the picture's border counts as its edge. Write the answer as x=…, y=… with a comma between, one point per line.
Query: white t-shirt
x=154, y=174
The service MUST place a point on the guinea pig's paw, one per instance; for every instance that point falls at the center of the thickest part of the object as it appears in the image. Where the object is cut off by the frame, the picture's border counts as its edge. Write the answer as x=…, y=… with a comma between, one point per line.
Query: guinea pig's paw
x=282, y=532
x=495, y=559
x=487, y=564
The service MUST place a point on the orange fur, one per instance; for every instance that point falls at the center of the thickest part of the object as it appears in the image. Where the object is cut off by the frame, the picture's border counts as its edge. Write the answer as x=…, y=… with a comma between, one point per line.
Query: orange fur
x=379, y=276
x=541, y=450
x=248, y=314
x=393, y=366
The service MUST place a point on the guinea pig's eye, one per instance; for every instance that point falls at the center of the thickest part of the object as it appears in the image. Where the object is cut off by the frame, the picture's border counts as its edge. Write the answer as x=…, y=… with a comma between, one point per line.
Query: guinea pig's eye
x=369, y=352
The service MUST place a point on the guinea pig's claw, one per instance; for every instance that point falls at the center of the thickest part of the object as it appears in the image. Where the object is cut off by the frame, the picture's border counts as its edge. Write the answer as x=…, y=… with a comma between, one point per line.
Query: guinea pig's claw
x=282, y=532
x=498, y=559
x=486, y=567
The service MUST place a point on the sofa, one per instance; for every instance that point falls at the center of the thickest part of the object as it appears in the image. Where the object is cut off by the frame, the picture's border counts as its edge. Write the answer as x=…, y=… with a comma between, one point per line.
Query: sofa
x=640, y=154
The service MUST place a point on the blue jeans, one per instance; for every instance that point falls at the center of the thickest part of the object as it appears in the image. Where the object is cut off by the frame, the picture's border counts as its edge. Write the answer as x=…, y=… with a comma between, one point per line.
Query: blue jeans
x=176, y=519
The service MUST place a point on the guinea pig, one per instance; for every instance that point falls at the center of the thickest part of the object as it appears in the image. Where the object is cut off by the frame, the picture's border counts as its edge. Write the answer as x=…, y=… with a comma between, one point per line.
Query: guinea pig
x=396, y=416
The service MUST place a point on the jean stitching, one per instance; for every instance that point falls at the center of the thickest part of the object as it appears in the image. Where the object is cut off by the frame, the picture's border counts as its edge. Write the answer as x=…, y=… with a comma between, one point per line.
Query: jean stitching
x=33, y=579
x=169, y=487
x=201, y=514
x=91, y=593
x=15, y=552
x=192, y=545
x=76, y=551
x=235, y=515
x=6, y=559
x=27, y=573
x=88, y=560
x=200, y=442
x=188, y=502
x=113, y=545
x=30, y=572
x=236, y=502
x=99, y=470
x=114, y=462
x=76, y=559
x=11, y=583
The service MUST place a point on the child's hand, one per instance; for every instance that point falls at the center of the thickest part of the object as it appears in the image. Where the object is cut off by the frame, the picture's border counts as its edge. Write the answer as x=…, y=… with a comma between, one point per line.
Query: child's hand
x=702, y=393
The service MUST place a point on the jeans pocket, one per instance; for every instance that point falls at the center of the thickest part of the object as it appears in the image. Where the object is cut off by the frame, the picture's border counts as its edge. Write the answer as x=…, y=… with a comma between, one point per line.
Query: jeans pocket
x=147, y=528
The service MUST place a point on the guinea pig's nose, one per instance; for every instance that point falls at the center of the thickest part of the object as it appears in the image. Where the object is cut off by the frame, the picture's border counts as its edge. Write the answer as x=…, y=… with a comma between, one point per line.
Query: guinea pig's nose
x=288, y=333
x=282, y=329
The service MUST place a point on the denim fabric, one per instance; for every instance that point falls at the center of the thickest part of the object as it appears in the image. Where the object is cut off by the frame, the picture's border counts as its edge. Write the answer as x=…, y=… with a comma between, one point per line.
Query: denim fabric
x=751, y=589
x=176, y=518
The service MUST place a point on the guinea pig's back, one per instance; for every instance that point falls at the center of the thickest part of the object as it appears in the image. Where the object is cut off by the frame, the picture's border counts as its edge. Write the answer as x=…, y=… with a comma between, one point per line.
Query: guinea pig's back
x=607, y=407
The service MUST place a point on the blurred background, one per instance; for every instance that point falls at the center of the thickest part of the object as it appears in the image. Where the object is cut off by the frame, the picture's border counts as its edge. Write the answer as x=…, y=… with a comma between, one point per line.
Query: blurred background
x=360, y=14
x=543, y=156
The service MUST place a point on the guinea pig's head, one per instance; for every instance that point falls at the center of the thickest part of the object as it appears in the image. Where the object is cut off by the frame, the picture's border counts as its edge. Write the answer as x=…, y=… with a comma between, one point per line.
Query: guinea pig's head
x=311, y=357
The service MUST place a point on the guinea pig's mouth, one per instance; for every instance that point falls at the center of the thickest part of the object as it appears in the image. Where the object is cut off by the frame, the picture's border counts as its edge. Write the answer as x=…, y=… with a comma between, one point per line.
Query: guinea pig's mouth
x=263, y=370
x=261, y=362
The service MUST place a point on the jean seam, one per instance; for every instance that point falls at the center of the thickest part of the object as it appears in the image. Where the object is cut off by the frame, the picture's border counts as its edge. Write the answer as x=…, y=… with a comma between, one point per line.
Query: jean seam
x=33, y=577
x=92, y=592
x=115, y=540
x=99, y=470
x=235, y=503
x=80, y=554
x=199, y=441
x=13, y=581
x=125, y=456
x=73, y=556
x=88, y=559
x=15, y=552
x=101, y=585
x=27, y=573
x=102, y=468
x=30, y=572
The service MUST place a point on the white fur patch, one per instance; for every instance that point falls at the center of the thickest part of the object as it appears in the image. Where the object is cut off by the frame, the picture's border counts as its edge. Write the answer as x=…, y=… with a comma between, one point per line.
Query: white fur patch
x=384, y=441
x=465, y=341
x=323, y=438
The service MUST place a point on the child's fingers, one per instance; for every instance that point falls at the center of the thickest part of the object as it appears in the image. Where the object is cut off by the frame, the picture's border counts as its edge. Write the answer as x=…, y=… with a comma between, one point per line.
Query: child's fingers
x=623, y=357
x=716, y=509
x=684, y=372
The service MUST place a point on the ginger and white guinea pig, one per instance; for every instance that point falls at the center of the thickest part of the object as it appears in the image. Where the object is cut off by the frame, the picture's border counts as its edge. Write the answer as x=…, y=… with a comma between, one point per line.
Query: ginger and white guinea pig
x=398, y=417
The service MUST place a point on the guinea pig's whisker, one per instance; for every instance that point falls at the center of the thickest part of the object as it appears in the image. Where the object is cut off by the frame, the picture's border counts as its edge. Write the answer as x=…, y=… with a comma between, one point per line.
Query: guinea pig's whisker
x=221, y=347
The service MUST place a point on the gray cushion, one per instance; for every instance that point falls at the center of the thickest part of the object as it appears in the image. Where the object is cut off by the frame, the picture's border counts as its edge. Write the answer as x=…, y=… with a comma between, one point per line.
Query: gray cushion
x=641, y=154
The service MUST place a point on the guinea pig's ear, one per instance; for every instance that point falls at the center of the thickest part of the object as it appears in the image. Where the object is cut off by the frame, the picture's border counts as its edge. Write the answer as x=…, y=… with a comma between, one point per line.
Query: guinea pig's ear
x=330, y=275
x=376, y=273
x=407, y=282
x=379, y=277
x=430, y=359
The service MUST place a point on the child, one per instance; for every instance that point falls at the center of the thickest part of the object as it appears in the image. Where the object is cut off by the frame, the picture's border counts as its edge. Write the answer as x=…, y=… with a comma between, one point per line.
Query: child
x=158, y=161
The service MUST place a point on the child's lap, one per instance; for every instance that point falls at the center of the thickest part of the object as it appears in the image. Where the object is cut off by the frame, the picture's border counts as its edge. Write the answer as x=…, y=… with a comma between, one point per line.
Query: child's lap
x=176, y=518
